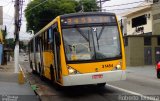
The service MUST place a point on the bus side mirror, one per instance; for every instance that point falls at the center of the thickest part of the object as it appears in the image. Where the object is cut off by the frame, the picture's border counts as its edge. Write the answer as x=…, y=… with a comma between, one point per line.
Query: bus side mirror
x=58, y=38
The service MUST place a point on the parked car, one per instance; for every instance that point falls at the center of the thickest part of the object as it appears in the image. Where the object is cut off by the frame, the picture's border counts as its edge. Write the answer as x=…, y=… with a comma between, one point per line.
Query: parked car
x=158, y=70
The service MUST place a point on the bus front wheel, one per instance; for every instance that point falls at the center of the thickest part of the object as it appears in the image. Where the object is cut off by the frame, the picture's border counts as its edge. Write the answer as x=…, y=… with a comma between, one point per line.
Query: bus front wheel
x=101, y=84
x=52, y=74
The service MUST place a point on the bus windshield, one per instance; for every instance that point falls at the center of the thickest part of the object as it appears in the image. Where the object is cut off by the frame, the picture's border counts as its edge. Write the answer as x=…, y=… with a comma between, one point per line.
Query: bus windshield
x=91, y=43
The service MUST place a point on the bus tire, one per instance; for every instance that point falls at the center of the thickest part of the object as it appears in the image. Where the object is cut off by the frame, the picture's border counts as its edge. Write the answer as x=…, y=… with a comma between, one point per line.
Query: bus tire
x=41, y=74
x=39, y=69
x=52, y=74
x=56, y=86
x=31, y=66
x=101, y=84
x=39, y=66
x=158, y=74
x=36, y=70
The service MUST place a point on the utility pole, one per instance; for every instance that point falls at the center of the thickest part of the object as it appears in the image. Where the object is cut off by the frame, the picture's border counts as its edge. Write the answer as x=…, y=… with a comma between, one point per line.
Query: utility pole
x=18, y=15
x=121, y=25
x=100, y=4
x=16, y=35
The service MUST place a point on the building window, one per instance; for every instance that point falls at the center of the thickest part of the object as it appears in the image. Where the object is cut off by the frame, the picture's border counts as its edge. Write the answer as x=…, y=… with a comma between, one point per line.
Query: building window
x=138, y=21
x=155, y=1
x=147, y=40
x=126, y=41
x=158, y=41
x=156, y=16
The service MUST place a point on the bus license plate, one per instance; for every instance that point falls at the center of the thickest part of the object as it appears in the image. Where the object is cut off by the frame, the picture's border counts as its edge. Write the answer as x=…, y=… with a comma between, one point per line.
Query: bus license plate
x=97, y=76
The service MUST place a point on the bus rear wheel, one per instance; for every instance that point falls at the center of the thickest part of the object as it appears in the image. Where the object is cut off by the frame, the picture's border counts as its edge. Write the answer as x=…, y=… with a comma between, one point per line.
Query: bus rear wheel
x=39, y=69
x=31, y=66
x=41, y=73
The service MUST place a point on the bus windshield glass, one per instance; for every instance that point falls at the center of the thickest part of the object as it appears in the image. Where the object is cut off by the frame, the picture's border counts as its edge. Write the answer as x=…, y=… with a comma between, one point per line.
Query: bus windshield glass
x=91, y=43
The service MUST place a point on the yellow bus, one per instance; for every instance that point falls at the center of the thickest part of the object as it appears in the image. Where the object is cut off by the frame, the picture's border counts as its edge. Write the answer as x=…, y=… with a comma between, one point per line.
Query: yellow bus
x=79, y=49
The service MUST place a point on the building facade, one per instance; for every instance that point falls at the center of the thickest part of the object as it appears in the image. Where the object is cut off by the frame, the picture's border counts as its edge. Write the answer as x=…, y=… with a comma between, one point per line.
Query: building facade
x=156, y=17
x=139, y=20
x=142, y=49
x=142, y=34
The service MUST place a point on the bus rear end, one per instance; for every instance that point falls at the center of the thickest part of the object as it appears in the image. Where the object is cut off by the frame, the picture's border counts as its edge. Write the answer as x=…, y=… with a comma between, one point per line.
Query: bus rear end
x=93, y=49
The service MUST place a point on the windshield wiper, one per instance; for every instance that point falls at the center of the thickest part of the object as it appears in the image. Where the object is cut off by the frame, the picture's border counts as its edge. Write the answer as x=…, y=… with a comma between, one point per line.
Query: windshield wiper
x=84, y=36
x=95, y=30
x=100, y=33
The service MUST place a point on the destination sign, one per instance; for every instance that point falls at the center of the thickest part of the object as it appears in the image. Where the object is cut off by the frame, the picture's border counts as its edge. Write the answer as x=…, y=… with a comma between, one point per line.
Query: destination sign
x=88, y=20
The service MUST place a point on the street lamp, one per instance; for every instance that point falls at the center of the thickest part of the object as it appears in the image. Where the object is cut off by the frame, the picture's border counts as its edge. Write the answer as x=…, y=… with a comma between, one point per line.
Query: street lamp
x=32, y=32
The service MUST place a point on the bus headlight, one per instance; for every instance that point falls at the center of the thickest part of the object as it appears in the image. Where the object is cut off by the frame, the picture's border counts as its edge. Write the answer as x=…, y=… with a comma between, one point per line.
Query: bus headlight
x=72, y=71
x=118, y=67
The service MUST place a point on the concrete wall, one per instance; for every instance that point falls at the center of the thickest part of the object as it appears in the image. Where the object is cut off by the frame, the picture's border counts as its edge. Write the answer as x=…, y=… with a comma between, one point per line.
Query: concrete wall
x=135, y=50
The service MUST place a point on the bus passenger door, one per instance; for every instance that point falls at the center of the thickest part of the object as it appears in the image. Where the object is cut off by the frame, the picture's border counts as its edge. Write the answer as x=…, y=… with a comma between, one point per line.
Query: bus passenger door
x=41, y=57
x=56, y=49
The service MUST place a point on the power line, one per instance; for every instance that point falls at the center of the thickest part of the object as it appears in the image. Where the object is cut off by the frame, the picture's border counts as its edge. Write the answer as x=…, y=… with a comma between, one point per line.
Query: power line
x=10, y=24
x=127, y=8
x=7, y=4
x=125, y=4
x=9, y=9
x=37, y=5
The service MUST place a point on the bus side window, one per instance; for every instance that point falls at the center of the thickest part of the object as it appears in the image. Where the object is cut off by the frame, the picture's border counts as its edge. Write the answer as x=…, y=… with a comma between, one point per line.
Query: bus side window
x=57, y=36
x=43, y=41
x=46, y=41
x=36, y=44
x=50, y=39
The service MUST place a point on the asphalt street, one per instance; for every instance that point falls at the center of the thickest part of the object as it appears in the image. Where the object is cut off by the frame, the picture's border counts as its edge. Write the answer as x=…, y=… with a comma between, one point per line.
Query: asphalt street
x=140, y=81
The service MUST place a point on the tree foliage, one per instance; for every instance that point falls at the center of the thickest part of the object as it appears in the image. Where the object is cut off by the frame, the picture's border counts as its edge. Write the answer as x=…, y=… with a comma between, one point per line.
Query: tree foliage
x=39, y=13
x=10, y=43
x=89, y=5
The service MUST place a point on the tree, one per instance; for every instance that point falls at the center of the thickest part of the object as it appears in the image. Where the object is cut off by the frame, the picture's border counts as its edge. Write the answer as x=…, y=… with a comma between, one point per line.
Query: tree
x=38, y=17
x=22, y=45
x=89, y=5
x=39, y=12
x=10, y=43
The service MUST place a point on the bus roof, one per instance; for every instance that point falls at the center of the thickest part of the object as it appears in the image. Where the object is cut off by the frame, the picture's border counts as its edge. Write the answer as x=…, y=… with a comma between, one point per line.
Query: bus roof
x=86, y=13
x=72, y=15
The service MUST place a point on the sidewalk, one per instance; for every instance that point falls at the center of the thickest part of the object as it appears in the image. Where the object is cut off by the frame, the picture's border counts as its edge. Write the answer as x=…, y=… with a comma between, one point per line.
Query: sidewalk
x=10, y=89
x=148, y=71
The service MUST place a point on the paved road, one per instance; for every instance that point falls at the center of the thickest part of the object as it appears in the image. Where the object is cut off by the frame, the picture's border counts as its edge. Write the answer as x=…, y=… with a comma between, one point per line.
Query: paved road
x=140, y=81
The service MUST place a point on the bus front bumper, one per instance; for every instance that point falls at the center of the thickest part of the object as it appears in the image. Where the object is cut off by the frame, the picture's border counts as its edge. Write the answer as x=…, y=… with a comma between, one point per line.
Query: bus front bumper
x=94, y=78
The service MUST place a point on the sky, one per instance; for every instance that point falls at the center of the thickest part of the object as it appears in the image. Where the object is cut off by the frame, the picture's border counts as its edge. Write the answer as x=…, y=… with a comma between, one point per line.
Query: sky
x=8, y=13
x=8, y=19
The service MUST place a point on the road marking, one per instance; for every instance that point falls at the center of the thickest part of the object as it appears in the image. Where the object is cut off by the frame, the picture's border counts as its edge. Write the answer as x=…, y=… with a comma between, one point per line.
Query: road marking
x=155, y=98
